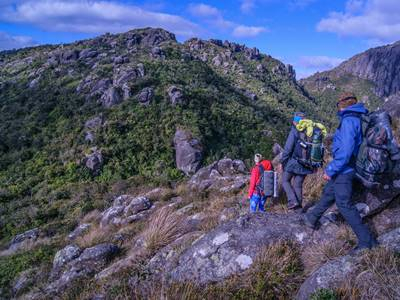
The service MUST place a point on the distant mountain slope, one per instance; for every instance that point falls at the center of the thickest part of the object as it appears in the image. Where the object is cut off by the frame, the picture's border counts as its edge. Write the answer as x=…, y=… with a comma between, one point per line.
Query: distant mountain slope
x=374, y=75
x=106, y=109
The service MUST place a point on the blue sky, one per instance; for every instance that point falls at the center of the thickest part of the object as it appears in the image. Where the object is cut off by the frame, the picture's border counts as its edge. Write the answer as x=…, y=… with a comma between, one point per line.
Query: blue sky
x=312, y=35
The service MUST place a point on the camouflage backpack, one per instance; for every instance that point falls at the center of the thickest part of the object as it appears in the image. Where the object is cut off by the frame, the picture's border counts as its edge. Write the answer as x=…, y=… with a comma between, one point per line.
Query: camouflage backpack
x=378, y=151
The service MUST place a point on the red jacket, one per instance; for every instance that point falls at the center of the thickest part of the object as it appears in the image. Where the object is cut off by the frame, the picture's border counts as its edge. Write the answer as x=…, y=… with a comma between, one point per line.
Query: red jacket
x=255, y=175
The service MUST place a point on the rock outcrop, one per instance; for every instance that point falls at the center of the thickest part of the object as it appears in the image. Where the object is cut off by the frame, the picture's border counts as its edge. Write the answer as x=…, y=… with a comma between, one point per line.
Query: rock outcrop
x=225, y=175
x=71, y=264
x=380, y=65
x=94, y=161
x=188, y=152
x=111, y=97
x=232, y=247
x=125, y=209
x=332, y=274
x=23, y=240
x=145, y=96
x=175, y=95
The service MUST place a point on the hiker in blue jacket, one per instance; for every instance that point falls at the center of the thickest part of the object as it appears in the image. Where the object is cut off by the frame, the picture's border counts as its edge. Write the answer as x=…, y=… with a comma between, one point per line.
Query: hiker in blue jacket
x=340, y=172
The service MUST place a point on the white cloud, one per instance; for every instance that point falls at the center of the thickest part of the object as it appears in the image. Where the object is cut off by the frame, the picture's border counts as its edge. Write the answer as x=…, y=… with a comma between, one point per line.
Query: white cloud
x=93, y=16
x=213, y=17
x=372, y=19
x=307, y=65
x=8, y=42
x=248, y=31
x=210, y=15
x=204, y=10
x=319, y=62
x=247, y=5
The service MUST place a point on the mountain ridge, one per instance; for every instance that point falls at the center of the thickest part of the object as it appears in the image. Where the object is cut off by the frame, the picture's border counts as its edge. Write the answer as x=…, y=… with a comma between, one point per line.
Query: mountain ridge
x=373, y=75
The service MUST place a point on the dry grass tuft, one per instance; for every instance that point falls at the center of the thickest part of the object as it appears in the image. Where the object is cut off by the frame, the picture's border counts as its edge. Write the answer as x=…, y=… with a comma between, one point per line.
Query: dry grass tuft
x=209, y=223
x=95, y=235
x=346, y=234
x=313, y=186
x=317, y=255
x=377, y=277
x=164, y=227
x=92, y=217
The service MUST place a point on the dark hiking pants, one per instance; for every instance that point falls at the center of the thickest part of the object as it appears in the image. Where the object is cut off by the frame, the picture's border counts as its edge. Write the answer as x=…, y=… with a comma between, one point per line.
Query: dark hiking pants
x=339, y=189
x=293, y=186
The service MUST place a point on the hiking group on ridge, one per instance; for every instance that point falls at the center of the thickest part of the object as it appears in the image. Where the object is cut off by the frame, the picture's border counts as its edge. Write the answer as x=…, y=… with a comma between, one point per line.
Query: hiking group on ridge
x=363, y=147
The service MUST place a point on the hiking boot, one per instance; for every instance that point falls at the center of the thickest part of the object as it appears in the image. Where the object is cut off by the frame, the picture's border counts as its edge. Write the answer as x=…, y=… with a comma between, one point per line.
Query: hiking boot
x=307, y=222
x=358, y=249
x=294, y=205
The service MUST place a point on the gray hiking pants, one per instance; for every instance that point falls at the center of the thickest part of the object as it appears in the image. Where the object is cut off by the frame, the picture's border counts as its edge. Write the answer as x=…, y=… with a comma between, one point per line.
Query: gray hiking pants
x=340, y=189
x=293, y=186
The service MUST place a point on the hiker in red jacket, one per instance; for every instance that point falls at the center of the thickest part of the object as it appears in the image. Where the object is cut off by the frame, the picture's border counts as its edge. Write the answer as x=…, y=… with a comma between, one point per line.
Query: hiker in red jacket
x=255, y=196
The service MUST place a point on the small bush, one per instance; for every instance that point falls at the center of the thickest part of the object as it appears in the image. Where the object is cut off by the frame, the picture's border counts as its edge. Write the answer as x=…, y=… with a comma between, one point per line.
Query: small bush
x=11, y=266
x=323, y=294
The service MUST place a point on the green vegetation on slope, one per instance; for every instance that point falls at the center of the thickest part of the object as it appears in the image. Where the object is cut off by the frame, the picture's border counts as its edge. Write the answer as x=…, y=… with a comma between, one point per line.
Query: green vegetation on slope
x=42, y=145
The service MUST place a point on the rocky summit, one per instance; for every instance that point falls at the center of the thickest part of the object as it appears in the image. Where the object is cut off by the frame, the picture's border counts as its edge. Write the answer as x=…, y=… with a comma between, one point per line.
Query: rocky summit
x=125, y=161
x=373, y=75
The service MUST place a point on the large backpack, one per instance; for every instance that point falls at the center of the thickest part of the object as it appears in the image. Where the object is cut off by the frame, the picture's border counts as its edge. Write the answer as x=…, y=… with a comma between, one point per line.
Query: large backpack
x=309, y=149
x=378, y=151
x=267, y=185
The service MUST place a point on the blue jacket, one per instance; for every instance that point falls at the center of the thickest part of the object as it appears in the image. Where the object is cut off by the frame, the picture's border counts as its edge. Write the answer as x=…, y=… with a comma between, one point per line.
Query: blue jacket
x=346, y=141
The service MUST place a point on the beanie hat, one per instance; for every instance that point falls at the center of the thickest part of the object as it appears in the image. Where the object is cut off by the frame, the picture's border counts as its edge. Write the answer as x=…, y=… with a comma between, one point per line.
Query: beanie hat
x=298, y=116
x=346, y=99
x=257, y=158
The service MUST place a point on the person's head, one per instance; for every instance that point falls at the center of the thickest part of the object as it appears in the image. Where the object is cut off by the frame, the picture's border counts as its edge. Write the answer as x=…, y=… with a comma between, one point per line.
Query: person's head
x=298, y=116
x=345, y=100
x=257, y=158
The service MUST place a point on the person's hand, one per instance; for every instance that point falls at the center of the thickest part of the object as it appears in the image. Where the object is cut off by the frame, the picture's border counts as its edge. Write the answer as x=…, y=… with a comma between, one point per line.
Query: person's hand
x=327, y=177
x=279, y=168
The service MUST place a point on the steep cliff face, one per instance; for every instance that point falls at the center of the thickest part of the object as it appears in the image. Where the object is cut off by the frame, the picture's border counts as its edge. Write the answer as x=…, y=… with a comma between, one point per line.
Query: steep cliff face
x=380, y=65
x=373, y=75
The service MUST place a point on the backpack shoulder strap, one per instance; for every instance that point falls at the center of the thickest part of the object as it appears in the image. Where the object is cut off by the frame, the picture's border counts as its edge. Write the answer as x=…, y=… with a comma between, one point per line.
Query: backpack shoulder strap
x=258, y=183
x=261, y=169
x=356, y=115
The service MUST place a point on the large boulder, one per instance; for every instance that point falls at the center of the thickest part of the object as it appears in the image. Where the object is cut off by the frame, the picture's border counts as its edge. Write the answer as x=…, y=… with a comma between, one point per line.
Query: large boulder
x=94, y=161
x=225, y=175
x=188, y=152
x=88, y=263
x=63, y=257
x=69, y=56
x=111, y=97
x=87, y=54
x=125, y=209
x=23, y=240
x=232, y=247
x=91, y=127
x=332, y=274
x=175, y=95
x=145, y=96
x=155, y=36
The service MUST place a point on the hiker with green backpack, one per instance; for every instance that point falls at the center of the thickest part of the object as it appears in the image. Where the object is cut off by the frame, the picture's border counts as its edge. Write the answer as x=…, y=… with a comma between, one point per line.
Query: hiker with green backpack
x=302, y=155
x=363, y=146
